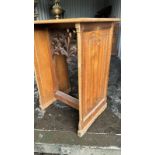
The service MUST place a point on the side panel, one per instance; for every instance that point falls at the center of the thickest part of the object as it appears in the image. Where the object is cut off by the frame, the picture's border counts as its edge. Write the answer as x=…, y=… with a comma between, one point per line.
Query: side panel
x=44, y=69
x=61, y=70
x=57, y=44
x=94, y=52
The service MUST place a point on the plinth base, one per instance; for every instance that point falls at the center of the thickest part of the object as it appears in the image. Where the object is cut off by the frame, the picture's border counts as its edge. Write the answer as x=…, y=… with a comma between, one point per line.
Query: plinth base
x=84, y=130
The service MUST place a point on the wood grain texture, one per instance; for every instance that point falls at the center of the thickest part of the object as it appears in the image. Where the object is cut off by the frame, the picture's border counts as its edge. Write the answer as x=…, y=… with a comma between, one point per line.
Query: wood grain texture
x=44, y=69
x=94, y=51
x=99, y=110
x=77, y=20
x=61, y=70
x=69, y=100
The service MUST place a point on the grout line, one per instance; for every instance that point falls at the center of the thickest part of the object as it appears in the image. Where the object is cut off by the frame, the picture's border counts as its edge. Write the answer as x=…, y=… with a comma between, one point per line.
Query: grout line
x=73, y=132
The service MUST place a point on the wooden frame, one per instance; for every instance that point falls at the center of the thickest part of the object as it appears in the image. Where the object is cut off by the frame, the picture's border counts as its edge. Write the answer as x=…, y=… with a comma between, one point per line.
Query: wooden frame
x=94, y=46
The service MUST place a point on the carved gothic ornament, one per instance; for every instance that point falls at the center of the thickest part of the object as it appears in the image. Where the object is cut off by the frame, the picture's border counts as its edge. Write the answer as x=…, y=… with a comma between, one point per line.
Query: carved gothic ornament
x=64, y=43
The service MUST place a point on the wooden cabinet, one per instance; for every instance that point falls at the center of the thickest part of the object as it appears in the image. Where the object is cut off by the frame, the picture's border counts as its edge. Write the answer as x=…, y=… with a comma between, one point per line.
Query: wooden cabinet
x=115, y=39
x=53, y=47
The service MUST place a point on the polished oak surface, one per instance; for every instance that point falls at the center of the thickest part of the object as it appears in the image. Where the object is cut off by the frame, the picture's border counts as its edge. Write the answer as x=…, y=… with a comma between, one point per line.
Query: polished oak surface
x=77, y=20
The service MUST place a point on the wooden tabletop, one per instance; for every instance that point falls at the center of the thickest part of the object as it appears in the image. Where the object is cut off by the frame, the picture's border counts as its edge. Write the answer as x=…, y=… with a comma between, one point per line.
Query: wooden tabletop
x=76, y=20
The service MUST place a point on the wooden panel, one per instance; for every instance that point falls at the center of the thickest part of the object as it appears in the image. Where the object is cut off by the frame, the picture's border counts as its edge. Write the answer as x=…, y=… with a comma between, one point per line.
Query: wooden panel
x=94, y=51
x=44, y=69
x=61, y=70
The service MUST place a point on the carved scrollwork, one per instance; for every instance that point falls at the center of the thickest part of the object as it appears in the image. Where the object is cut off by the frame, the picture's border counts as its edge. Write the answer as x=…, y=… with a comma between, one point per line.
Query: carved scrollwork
x=64, y=43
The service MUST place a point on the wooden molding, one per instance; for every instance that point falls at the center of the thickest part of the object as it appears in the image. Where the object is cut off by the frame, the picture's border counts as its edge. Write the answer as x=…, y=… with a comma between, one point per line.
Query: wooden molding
x=82, y=131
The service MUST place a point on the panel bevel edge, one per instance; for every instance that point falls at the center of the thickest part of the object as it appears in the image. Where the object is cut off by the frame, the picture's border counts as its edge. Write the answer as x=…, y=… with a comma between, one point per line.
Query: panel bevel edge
x=84, y=129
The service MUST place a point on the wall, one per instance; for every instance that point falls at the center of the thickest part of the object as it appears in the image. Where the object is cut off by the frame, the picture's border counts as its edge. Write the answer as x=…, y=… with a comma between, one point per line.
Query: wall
x=74, y=8
x=43, y=9
x=116, y=12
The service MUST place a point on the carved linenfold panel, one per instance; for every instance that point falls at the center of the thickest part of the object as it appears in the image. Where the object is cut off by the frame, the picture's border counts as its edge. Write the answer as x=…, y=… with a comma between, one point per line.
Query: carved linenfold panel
x=64, y=42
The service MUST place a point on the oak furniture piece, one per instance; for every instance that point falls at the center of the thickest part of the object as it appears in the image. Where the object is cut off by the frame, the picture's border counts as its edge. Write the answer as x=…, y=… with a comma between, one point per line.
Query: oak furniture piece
x=54, y=42
x=116, y=35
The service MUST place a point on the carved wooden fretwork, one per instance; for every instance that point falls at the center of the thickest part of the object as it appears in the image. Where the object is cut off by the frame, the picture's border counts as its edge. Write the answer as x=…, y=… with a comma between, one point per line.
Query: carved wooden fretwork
x=64, y=42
